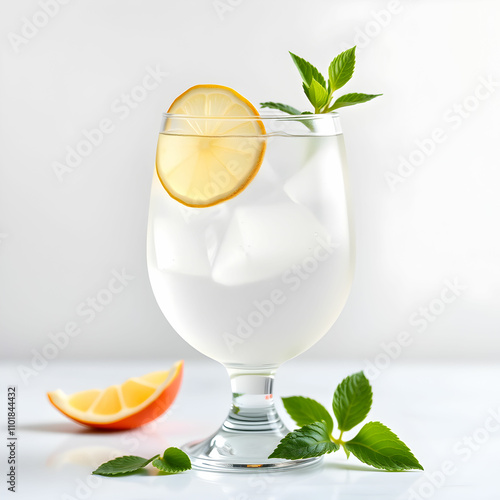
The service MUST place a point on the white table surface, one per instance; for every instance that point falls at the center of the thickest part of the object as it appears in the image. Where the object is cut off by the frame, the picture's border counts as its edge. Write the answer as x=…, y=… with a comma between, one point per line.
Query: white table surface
x=432, y=407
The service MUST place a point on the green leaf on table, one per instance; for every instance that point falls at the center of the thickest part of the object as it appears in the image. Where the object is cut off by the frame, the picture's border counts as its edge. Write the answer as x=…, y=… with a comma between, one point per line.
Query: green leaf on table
x=317, y=94
x=281, y=107
x=352, y=401
x=341, y=69
x=173, y=460
x=312, y=440
x=376, y=445
x=307, y=411
x=122, y=465
x=308, y=71
x=351, y=99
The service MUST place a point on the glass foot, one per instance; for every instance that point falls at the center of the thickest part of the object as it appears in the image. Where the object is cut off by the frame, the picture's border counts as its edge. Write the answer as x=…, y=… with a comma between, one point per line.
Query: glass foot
x=250, y=433
x=240, y=452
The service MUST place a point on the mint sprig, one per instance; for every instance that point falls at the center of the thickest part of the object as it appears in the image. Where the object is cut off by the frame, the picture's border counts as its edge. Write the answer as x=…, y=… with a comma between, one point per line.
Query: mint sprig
x=320, y=91
x=173, y=461
x=375, y=444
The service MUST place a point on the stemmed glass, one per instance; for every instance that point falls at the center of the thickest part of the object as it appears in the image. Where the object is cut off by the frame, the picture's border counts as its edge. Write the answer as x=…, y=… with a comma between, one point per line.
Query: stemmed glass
x=258, y=279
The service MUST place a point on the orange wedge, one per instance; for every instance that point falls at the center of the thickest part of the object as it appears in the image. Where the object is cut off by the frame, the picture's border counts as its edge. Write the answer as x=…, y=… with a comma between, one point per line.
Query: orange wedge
x=202, y=162
x=136, y=402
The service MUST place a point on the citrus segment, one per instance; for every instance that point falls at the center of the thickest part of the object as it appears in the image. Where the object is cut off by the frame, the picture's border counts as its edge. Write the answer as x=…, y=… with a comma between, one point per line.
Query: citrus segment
x=134, y=393
x=135, y=402
x=214, y=153
x=83, y=400
x=108, y=403
x=153, y=378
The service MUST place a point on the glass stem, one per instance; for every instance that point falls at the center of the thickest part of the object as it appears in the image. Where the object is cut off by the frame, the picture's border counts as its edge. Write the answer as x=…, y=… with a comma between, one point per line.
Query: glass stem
x=253, y=408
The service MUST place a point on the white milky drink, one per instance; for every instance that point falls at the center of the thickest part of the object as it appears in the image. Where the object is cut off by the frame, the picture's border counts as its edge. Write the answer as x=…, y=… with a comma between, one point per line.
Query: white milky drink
x=260, y=278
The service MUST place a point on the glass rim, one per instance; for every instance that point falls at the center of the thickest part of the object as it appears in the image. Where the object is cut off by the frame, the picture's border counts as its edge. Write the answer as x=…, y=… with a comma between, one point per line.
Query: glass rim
x=332, y=114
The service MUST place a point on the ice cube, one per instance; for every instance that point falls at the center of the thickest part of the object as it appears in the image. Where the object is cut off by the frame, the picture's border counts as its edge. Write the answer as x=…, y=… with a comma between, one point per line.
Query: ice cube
x=178, y=248
x=212, y=243
x=322, y=173
x=262, y=242
x=320, y=185
x=175, y=236
x=265, y=187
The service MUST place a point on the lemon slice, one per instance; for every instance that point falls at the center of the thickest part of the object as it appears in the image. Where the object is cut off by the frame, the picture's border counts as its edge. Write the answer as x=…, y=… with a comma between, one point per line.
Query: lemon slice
x=137, y=401
x=202, y=162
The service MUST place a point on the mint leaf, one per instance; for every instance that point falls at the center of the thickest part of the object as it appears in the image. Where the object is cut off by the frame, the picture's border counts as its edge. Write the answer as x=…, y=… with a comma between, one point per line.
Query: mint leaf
x=307, y=411
x=282, y=107
x=378, y=446
x=317, y=95
x=308, y=71
x=318, y=91
x=351, y=99
x=352, y=401
x=173, y=461
x=312, y=440
x=341, y=69
x=122, y=465
x=290, y=110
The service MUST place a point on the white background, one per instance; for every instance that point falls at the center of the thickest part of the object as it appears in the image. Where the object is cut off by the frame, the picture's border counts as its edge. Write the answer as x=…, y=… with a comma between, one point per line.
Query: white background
x=60, y=240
